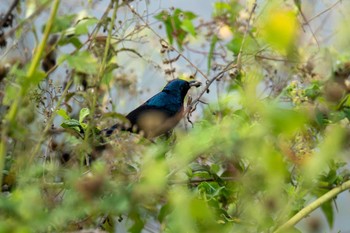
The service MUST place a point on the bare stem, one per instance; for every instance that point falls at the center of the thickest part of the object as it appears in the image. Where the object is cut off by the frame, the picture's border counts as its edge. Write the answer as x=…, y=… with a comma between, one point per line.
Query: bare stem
x=314, y=205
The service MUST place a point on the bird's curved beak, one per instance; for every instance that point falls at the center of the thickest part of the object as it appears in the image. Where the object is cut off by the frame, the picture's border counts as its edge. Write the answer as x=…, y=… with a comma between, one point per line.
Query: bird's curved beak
x=195, y=83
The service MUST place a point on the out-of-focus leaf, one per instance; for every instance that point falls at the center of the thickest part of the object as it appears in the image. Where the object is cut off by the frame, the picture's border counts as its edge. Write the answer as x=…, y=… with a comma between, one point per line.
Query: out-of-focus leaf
x=279, y=28
x=187, y=26
x=62, y=23
x=82, y=27
x=286, y=121
x=221, y=7
x=235, y=44
x=214, y=168
x=84, y=112
x=63, y=114
x=164, y=211
x=313, y=91
x=82, y=61
x=328, y=211
x=298, y=4
x=71, y=40
x=138, y=223
x=35, y=80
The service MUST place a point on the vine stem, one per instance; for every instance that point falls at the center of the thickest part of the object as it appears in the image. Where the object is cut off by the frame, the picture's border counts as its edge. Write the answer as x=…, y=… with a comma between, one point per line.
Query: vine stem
x=12, y=113
x=102, y=68
x=314, y=205
x=40, y=50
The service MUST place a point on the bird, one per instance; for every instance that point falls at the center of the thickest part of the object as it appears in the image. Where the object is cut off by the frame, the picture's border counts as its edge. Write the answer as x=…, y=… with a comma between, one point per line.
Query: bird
x=159, y=114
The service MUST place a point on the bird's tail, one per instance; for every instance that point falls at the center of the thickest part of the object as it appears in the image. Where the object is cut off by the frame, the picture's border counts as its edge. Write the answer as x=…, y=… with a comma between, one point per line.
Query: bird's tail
x=108, y=131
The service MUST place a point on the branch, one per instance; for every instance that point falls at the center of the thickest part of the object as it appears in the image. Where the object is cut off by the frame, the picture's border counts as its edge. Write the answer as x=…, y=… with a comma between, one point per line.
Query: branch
x=169, y=45
x=10, y=117
x=208, y=83
x=8, y=13
x=322, y=12
x=314, y=205
x=196, y=181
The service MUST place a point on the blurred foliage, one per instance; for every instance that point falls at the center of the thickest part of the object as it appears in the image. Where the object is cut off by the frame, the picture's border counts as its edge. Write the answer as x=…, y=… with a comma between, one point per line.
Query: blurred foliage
x=277, y=138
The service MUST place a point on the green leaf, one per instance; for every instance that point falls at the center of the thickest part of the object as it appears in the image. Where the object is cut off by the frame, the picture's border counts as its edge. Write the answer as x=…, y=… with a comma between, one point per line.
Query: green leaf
x=189, y=15
x=83, y=25
x=178, y=25
x=82, y=61
x=235, y=44
x=38, y=76
x=327, y=209
x=313, y=91
x=71, y=40
x=214, y=168
x=166, y=19
x=84, y=112
x=63, y=113
x=286, y=121
x=221, y=8
x=164, y=211
x=72, y=124
x=138, y=223
x=62, y=23
x=187, y=26
x=298, y=4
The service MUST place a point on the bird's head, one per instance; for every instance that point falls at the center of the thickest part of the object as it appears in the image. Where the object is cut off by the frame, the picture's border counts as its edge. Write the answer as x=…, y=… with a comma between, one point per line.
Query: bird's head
x=180, y=86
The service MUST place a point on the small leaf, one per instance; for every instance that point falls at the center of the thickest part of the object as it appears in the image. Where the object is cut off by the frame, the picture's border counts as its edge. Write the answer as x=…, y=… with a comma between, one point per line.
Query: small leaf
x=214, y=168
x=62, y=23
x=72, y=124
x=235, y=44
x=71, y=40
x=313, y=91
x=84, y=112
x=327, y=209
x=298, y=4
x=37, y=77
x=165, y=210
x=187, y=26
x=82, y=26
x=63, y=114
x=83, y=62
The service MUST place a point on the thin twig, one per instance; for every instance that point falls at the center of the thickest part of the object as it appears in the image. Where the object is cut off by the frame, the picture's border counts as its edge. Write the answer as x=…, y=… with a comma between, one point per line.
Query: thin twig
x=306, y=22
x=314, y=205
x=170, y=46
x=322, y=12
x=29, y=19
x=230, y=66
x=195, y=181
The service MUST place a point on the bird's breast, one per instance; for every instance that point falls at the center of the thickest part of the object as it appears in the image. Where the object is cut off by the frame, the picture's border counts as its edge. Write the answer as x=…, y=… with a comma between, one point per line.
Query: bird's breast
x=155, y=122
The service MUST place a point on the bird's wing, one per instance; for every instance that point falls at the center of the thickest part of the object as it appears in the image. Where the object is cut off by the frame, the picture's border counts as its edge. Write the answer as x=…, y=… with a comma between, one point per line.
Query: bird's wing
x=134, y=115
x=165, y=101
x=153, y=121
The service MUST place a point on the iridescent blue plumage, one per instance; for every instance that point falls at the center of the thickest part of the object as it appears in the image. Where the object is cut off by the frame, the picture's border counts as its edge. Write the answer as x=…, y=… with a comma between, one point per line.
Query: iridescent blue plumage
x=160, y=113
x=171, y=98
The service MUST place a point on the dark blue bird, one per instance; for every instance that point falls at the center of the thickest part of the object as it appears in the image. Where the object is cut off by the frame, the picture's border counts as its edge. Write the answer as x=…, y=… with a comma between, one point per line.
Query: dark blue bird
x=159, y=114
